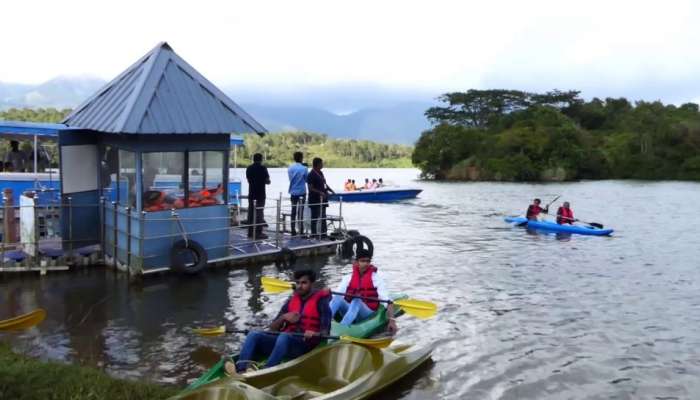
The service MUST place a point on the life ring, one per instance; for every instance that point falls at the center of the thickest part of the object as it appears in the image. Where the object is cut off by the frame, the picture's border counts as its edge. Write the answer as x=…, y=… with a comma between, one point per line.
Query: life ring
x=351, y=245
x=179, y=263
x=286, y=257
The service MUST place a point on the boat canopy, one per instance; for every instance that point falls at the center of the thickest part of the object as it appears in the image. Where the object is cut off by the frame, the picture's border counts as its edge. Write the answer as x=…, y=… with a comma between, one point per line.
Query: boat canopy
x=25, y=130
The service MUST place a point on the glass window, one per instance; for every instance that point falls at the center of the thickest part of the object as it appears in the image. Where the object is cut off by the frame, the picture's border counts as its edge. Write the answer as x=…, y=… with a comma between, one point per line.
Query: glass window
x=109, y=168
x=163, y=184
x=127, y=179
x=206, y=177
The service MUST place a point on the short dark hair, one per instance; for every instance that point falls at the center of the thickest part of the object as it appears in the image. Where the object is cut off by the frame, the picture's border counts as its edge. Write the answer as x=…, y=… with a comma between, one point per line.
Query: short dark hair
x=257, y=157
x=298, y=156
x=363, y=253
x=317, y=161
x=538, y=200
x=305, y=272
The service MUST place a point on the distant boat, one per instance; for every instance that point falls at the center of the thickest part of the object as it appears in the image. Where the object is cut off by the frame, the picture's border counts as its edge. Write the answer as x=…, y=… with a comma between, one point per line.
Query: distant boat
x=381, y=195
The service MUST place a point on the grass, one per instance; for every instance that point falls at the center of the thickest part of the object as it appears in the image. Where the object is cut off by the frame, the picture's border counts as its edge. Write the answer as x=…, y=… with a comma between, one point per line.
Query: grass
x=25, y=378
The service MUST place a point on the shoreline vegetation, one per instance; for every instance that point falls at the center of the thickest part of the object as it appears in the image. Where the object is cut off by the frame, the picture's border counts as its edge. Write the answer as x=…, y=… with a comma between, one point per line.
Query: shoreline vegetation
x=26, y=378
x=511, y=135
x=277, y=148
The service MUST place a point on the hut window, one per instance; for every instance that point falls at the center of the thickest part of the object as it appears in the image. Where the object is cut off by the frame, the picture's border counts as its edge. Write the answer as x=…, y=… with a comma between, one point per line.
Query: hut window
x=163, y=183
x=109, y=168
x=206, y=178
x=127, y=179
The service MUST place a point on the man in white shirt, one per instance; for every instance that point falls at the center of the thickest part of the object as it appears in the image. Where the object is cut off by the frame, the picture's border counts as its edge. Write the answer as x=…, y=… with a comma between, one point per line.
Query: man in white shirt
x=367, y=282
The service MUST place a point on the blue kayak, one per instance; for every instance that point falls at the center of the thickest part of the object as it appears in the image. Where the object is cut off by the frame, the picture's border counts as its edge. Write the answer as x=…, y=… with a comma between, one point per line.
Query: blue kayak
x=553, y=227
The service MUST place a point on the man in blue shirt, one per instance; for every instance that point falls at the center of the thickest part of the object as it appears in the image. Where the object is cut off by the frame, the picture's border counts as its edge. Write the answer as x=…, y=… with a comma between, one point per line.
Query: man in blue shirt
x=297, y=190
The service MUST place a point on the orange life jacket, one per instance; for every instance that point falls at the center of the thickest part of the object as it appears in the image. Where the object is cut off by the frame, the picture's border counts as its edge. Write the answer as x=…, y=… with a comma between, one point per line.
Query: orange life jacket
x=565, y=216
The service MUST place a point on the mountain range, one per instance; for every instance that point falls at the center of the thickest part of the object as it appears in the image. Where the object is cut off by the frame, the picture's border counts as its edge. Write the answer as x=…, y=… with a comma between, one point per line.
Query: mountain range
x=342, y=111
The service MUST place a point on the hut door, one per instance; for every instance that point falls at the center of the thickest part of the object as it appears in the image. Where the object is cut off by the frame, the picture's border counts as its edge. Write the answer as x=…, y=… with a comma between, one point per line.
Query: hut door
x=80, y=216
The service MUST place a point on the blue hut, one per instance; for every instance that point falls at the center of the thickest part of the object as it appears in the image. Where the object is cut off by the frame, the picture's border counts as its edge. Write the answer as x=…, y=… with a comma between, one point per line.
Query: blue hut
x=150, y=163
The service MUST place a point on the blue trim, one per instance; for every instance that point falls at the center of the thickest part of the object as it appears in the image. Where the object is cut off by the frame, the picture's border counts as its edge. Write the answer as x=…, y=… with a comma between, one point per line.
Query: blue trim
x=33, y=128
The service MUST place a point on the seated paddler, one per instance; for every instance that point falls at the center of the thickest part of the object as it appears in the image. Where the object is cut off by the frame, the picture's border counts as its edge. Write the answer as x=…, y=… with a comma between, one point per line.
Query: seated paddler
x=365, y=281
x=296, y=329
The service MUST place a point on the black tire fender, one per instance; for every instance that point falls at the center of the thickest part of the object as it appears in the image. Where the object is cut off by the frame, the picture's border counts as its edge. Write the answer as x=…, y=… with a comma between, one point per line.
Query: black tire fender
x=199, y=254
x=351, y=245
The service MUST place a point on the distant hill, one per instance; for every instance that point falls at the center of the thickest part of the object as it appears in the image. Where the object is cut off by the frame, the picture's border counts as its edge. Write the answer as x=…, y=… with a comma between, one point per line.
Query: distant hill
x=382, y=115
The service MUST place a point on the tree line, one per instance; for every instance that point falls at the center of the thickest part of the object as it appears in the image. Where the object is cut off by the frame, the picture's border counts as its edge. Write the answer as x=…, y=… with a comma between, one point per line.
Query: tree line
x=513, y=135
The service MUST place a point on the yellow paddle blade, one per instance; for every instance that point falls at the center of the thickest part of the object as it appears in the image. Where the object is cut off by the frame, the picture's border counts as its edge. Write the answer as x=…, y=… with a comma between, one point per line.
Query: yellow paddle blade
x=274, y=285
x=418, y=308
x=376, y=343
x=216, y=331
x=25, y=321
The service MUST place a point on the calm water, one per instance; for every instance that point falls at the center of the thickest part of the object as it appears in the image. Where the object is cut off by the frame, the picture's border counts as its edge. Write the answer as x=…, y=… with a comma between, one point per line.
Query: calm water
x=523, y=316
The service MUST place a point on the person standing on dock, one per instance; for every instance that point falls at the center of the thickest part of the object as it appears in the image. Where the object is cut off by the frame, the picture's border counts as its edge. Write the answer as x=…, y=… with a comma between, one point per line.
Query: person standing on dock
x=367, y=282
x=318, y=198
x=257, y=177
x=297, y=191
x=305, y=312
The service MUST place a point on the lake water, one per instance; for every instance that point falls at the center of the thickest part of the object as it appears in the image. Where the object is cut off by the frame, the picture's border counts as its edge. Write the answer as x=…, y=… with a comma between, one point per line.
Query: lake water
x=522, y=315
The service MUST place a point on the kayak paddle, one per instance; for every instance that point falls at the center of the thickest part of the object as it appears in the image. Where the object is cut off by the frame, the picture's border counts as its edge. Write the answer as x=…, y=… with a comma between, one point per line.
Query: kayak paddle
x=418, y=308
x=24, y=321
x=379, y=343
x=593, y=224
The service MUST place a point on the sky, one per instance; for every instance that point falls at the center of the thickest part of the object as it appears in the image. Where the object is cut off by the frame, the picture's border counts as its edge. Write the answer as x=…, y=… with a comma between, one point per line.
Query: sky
x=637, y=49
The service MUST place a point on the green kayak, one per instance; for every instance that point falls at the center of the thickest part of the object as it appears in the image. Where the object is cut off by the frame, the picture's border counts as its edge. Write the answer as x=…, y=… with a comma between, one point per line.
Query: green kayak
x=340, y=371
x=362, y=330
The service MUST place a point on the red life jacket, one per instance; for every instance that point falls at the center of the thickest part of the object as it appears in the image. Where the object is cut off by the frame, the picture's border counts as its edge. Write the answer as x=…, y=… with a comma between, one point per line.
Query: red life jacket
x=533, y=211
x=565, y=216
x=310, y=318
x=363, y=286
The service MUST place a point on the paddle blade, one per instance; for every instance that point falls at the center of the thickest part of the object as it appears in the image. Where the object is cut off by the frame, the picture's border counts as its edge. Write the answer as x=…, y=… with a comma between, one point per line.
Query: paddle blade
x=596, y=225
x=274, y=285
x=418, y=308
x=25, y=321
x=216, y=331
x=380, y=343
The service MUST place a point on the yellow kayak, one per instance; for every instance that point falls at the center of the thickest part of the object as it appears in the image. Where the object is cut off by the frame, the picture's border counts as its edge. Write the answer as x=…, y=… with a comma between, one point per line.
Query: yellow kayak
x=24, y=321
x=341, y=371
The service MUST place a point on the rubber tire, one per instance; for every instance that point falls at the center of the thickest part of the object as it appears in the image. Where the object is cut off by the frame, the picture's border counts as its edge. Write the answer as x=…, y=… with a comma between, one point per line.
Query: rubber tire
x=286, y=257
x=351, y=245
x=346, y=249
x=176, y=263
x=353, y=233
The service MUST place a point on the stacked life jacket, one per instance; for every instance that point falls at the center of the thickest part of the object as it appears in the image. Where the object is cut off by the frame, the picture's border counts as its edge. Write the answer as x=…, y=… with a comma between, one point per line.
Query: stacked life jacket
x=362, y=285
x=309, y=317
x=565, y=216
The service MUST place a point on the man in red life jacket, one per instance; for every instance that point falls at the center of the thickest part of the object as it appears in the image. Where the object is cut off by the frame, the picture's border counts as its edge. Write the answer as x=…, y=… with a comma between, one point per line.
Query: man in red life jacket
x=534, y=210
x=565, y=215
x=306, y=311
x=365, y=281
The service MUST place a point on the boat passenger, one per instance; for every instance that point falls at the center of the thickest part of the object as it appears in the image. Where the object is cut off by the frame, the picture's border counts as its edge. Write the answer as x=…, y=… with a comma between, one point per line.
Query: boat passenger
x=347, y=185
x=367, y=184
x=380, y=183
x=366, y=281
x=352, y=186
x=534, y=210
x=373, y=184
x=305, y=312
x=565, y=215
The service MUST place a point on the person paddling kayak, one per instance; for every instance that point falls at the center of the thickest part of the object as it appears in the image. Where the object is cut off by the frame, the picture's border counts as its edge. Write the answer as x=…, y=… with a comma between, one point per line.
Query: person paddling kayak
x=534, y=210
x=306, y=311
x=366, y=281
x=565, y=215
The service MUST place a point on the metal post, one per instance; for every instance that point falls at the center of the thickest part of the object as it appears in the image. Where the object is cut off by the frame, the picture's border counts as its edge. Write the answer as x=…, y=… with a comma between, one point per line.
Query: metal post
x=128, y=237
x=115, y=233
x=142, y=234
x=278, y=239
x=340, y=207
x=70, y=227
x=255, y=217
x=36, y=230
x=103, y=232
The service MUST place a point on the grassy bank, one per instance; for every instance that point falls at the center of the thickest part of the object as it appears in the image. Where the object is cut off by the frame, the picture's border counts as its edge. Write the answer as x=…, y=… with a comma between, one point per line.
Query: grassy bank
x=24, y=378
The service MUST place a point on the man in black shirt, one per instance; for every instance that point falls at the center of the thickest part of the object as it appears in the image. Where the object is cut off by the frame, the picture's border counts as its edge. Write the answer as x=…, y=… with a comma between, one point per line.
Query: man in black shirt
x=257, y=177
x=318, y=197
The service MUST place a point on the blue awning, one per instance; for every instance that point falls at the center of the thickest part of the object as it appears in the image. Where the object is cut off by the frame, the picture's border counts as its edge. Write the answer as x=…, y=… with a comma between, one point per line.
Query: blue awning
x=237, y=141
x=41, y=129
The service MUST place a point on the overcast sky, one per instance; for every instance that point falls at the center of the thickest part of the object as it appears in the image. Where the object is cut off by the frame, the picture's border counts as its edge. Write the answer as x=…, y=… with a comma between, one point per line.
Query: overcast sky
x=623, y=48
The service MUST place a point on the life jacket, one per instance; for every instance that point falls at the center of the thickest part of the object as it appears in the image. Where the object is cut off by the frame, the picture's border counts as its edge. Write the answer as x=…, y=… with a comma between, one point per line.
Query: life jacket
x=533, y=211
x=310, y=318
x=363, y=286
x=157, y=204
x=565, y=216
